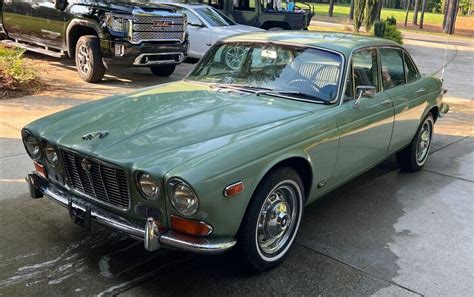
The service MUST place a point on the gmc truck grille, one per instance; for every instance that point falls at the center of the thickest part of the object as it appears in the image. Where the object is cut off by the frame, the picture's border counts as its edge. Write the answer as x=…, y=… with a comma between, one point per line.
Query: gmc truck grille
x=157, y=28
x=96, y=179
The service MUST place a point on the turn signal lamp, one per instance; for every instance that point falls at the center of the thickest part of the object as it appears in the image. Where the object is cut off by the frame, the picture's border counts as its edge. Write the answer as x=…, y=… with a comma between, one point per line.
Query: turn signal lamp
x=191, y=227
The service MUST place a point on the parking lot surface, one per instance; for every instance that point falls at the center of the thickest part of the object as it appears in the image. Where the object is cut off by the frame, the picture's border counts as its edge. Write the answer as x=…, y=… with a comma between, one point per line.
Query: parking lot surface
x=384, y=233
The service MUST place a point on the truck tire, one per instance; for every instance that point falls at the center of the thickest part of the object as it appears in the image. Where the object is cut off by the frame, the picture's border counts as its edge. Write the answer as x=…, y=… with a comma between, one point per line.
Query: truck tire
x=163, y=70
x=89, y=59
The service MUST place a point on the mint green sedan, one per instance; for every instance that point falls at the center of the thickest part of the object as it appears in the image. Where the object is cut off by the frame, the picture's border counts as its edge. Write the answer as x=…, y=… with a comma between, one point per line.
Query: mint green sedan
x=265, y=124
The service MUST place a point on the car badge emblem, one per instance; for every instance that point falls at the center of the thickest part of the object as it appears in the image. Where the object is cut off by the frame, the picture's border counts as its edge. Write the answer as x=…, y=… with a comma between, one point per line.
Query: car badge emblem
x=162, y=24
x=90, y=136
x=86, y=165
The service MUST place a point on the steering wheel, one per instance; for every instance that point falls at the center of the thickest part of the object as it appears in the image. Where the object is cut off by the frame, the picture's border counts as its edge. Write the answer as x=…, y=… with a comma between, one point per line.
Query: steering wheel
x=300, y=83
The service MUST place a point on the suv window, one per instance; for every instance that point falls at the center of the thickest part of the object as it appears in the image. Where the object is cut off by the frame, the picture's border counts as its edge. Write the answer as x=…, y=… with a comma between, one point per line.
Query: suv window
x=392, y=67
x=363, y=73
x=410, y=69
x=192, y=18
x=244, y=5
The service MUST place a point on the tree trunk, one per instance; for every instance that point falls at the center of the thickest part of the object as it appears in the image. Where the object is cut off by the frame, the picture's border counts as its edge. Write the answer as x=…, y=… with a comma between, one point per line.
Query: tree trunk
x=451, y=17
x=423, y=9
x=408, y=10
x=379, y=10
x=331, y=8
x=359, y=8
x=415, y=13
x=351, y=12
x=445, y=12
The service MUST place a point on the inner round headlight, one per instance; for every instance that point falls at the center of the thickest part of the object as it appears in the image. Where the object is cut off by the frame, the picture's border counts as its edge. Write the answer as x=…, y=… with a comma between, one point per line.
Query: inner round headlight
x=183, y=198
x=148, y=186
x=51, y=155
x=32, y=146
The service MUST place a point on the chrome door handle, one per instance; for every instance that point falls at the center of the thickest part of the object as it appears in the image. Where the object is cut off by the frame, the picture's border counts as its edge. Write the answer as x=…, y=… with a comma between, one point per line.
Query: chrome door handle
x=386, y=103
x=421, y=90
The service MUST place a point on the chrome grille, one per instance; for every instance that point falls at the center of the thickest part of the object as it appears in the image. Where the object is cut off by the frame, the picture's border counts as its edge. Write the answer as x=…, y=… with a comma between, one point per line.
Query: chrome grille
x=143, y=28
x=103, y=181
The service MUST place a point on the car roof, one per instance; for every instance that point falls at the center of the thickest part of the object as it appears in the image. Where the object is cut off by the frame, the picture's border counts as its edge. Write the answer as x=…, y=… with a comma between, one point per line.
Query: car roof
x=340, y=42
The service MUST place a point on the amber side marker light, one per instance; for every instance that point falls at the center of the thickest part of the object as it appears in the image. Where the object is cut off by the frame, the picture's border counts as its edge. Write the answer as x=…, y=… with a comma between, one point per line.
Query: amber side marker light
x=234, y=189
x=195, y=228
x=40, y=169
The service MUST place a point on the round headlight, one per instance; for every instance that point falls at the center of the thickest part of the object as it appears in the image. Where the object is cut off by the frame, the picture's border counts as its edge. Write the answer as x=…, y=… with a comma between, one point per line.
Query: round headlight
x=32, y=147
x=183, y=198
x=51, y=155
x=148, y=186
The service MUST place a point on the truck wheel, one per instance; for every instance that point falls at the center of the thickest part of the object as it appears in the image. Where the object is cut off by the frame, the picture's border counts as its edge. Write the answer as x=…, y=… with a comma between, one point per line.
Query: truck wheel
x=163, y=70
x=272, y=220
x=414, y=156
x=89, y=59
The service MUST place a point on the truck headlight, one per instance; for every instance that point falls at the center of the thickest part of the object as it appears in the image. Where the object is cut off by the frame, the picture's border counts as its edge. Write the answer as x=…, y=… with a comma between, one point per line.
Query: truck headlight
x=32, y=145
x=51, y=155
x=148, y=186
x=117, y=23
x=183, y=198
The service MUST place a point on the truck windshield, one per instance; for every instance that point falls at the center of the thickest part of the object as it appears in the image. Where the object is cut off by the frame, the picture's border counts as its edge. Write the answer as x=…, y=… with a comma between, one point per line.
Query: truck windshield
x=307, y=73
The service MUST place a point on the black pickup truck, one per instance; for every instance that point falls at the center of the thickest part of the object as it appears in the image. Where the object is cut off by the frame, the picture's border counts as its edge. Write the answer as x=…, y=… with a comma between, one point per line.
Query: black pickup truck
x=97, y=33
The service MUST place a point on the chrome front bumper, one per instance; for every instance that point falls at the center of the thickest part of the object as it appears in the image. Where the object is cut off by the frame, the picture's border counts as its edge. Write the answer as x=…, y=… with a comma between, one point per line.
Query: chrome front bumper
x=149, y=234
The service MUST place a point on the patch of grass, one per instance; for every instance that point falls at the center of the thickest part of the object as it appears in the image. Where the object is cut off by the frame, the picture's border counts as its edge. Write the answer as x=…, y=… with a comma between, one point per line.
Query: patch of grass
x=17, y=77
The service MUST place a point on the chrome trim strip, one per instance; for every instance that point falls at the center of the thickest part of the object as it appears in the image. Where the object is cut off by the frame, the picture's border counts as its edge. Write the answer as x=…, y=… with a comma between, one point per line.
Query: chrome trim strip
x=149, y=234
x=138, y=59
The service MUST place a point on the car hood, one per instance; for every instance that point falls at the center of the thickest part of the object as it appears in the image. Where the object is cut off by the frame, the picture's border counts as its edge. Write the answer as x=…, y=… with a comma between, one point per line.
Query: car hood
x=174, y=122
x=235, y=29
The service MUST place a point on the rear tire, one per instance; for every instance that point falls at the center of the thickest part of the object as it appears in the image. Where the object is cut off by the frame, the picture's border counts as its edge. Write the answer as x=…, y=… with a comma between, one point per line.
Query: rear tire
x=272, y=220
x=163, y=70
x=413, y=157
x=88, y=58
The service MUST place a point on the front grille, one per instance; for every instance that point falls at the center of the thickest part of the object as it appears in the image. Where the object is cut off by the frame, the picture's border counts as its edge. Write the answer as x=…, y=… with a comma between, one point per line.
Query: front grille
x=102, y=181
x=147, y=28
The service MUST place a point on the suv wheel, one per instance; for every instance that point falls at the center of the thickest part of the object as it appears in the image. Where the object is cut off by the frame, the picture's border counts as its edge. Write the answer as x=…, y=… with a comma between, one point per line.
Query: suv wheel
x=163, y=70
x=272, y=220
x=89, y=59
x=414, y=156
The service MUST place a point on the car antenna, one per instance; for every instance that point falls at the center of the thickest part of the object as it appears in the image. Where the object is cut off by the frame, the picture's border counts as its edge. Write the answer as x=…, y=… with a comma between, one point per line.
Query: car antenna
x=444, y=58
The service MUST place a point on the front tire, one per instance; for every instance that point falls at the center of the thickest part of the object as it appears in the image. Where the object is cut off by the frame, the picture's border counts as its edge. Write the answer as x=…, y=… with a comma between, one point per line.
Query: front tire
x=272, y=220
x=413, y=157
x=163, y=70
x=89, y=59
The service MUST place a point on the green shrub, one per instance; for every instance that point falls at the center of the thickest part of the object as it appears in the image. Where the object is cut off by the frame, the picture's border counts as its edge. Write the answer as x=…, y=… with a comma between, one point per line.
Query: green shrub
x=13, y=65
x=391, y=21
x=392, y=33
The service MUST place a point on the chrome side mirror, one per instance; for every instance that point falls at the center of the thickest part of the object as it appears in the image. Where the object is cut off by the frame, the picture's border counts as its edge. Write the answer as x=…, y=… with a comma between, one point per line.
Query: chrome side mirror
x=364, y=91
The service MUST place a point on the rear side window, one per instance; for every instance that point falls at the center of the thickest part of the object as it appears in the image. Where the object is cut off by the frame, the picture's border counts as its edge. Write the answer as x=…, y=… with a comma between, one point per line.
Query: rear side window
x=392, y=67
x=410, y=69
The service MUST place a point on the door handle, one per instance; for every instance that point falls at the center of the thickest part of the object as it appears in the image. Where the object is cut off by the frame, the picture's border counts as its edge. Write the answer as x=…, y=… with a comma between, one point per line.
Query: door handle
x=386, y=103
x=421, y=90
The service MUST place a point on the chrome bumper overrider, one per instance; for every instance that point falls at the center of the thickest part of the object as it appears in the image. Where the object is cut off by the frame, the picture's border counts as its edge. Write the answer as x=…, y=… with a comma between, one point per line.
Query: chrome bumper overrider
x=149, y=233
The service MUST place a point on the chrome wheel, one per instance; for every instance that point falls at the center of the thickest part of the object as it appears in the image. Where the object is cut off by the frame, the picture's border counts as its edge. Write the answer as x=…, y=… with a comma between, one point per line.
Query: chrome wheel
x=233, y=57
x=424, y=141
x=83, y=59
x=278, y=218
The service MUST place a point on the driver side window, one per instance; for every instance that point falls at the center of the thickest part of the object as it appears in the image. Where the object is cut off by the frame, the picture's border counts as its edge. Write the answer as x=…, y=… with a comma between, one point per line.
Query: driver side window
x=364, y=72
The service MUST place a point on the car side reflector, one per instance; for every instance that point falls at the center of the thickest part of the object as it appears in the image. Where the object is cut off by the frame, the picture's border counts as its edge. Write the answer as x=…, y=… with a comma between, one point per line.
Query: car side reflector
x=40, y=169
x=234, y=189
x=191, y=227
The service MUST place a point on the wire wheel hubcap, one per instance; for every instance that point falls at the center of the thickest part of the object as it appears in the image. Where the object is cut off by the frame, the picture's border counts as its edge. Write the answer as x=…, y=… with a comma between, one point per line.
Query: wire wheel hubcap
x=424, y=142
x=277, y=218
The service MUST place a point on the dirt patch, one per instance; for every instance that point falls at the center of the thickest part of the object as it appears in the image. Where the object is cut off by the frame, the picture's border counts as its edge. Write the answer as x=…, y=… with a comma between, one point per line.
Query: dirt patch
x=12, y=88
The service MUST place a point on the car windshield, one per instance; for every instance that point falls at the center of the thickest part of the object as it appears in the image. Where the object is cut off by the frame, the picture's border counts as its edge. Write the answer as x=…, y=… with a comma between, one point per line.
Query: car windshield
x=214, y=18
x=296, y=72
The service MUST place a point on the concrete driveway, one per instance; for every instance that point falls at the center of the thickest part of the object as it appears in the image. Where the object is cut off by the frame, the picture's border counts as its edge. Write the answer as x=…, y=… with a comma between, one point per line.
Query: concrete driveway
x=384, y=233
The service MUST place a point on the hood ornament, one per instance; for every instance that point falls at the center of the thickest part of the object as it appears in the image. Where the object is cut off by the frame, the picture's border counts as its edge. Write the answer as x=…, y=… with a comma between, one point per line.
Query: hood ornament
x=86, y=165
x=90, y=136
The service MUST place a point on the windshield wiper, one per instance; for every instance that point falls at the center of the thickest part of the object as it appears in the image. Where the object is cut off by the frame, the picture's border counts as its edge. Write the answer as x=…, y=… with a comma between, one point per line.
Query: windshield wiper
x=245, y=88
x=294, y=95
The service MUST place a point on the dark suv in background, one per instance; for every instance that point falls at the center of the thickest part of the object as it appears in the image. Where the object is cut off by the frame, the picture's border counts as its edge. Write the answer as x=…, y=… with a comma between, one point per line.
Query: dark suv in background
x=97, y=33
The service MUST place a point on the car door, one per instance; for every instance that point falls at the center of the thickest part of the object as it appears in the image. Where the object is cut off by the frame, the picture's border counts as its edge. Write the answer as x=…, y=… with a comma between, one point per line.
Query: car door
x=52, y=25
x=365, y=128
x=199, y=34
x=17, y=19
x=404, y=84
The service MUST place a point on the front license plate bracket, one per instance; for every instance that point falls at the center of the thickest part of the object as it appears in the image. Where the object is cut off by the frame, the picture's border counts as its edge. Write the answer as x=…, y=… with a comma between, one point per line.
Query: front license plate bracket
x=79, y=216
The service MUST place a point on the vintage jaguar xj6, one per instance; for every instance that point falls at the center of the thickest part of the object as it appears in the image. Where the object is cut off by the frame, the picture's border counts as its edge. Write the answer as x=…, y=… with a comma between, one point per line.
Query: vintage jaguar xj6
x=265, y=124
